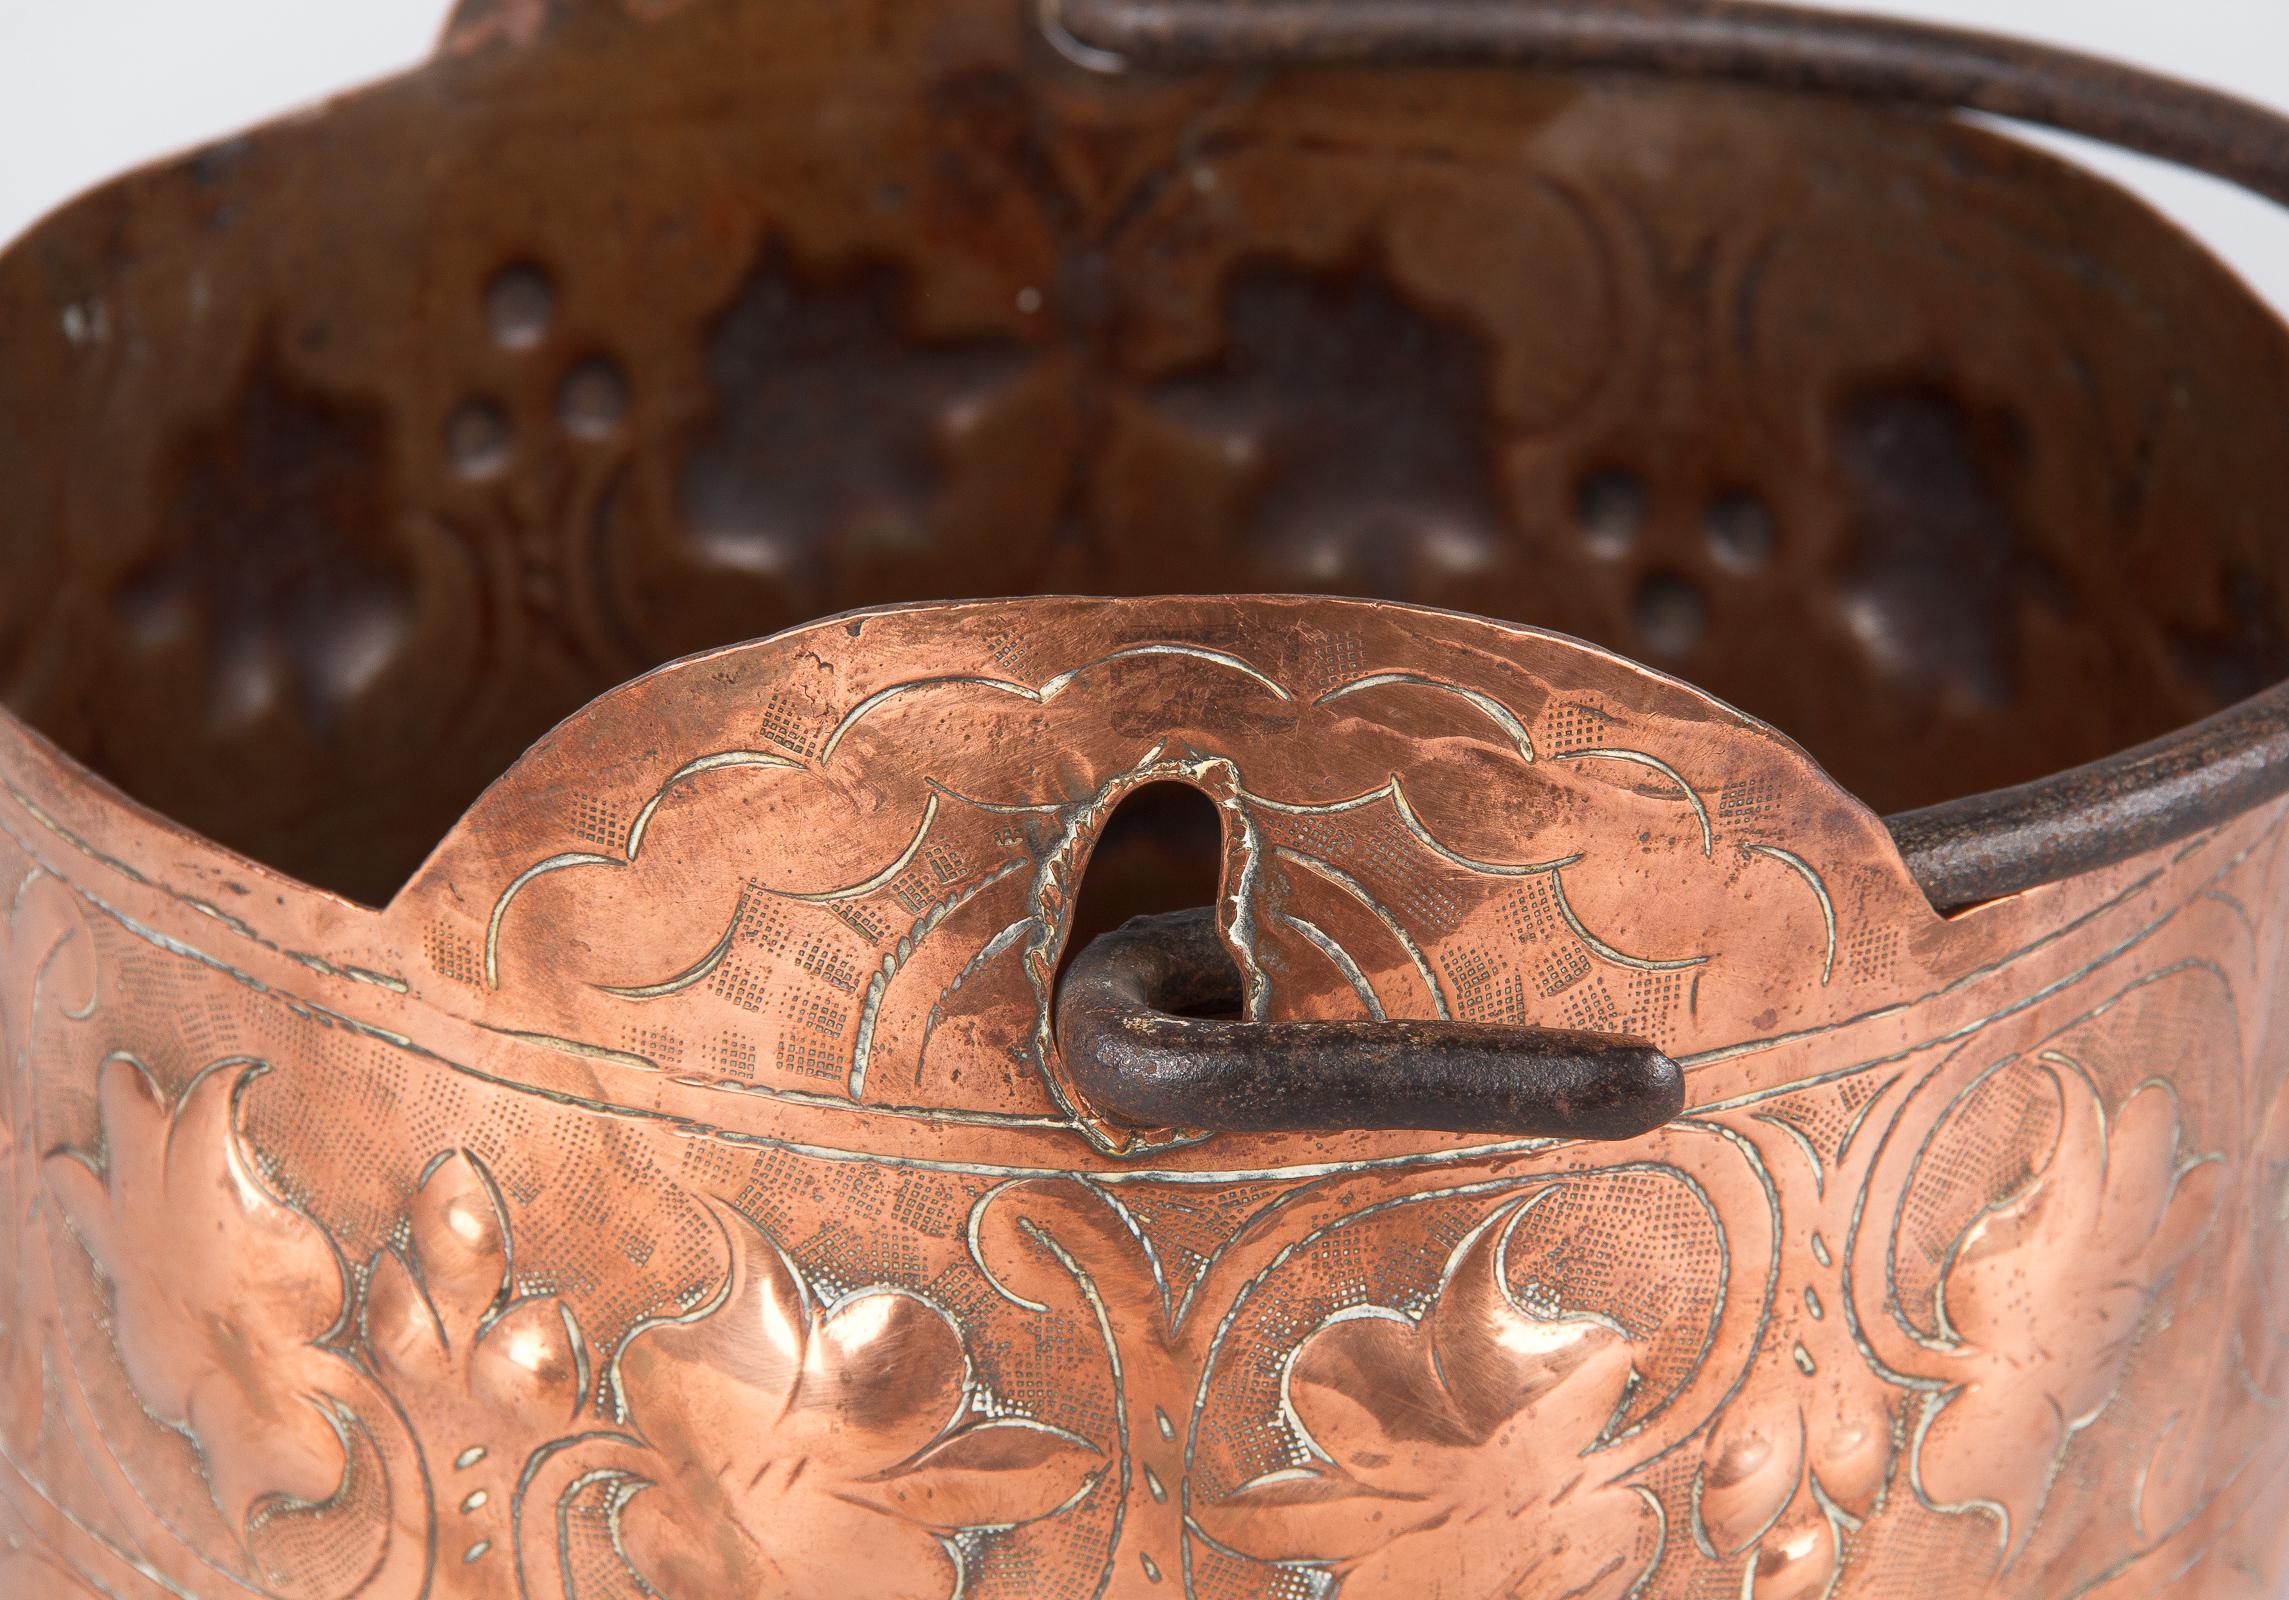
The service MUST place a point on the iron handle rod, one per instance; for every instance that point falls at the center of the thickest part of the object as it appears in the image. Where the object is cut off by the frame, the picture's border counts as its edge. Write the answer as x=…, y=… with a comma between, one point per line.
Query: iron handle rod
x=1138, y=1059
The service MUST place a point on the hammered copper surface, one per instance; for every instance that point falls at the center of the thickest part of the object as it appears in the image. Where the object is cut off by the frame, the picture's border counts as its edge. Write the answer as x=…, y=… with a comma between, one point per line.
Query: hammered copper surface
x=677, y=1190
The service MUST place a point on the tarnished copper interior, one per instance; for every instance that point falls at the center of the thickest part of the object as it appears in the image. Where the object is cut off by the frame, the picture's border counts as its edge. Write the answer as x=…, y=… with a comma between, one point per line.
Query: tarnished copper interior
x=344, y=460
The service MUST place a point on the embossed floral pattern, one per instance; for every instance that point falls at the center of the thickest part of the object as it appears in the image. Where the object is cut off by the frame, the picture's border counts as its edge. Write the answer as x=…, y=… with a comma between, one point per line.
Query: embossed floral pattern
x=1450, y=1456
x=2047, y=1296
x=1818, y=1337
x=813, y=1452
x=1802, y=1460
x=220, y=1290
x=1783, y=1481
x=449, y=1335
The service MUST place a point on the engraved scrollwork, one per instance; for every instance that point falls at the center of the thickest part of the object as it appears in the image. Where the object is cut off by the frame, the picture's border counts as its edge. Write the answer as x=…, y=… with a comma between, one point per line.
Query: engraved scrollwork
x=1352, y=870
x=1922, y=1274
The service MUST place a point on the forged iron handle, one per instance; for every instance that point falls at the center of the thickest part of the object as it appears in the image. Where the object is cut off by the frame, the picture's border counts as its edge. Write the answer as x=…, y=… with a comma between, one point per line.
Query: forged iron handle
x=1753, y=41
x=1136, y=1060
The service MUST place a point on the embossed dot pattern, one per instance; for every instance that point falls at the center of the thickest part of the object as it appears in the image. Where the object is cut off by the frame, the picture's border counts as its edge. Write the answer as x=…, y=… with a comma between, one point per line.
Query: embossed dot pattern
x=593, y=399
x=1670, y=615
x=519, y=305
x=479, y=439
x=1741, y=532
x=1611, y=509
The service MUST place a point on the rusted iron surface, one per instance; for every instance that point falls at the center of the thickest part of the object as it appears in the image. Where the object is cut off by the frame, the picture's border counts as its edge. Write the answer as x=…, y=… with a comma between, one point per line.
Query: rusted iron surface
x=679, y=1188
x=1154, y=1024
x=1796, y=47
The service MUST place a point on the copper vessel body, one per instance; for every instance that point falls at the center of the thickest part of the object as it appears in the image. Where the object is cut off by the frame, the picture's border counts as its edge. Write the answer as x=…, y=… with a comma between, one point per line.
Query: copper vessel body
x=678, y=1187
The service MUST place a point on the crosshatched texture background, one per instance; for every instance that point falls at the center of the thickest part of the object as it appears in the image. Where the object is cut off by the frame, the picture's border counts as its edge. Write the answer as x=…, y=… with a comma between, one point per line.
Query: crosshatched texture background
x=90, y=88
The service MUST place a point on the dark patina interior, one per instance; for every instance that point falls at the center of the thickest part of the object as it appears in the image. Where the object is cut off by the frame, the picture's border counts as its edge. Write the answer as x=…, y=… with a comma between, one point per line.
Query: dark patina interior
x=343, y=459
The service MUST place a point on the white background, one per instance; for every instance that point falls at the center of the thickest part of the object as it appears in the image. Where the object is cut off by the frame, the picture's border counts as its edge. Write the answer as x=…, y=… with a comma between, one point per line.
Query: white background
x=89, y=87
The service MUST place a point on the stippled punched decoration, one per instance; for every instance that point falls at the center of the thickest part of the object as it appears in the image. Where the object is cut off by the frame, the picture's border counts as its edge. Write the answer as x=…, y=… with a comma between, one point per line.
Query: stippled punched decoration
x=679, y=1190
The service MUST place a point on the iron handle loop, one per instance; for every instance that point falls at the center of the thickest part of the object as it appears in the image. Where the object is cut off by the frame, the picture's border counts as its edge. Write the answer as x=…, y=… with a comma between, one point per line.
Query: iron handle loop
x=1785, y=46
x=1137, y=1059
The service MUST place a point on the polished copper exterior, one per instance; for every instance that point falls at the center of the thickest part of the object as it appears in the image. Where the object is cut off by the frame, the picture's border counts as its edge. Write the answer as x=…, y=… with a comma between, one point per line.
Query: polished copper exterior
x=678, y=1183
x=675, y=1184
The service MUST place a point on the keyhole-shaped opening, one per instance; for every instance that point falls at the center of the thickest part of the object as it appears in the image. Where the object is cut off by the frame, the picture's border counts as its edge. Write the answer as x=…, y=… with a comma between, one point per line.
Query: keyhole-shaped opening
x=1162, y=850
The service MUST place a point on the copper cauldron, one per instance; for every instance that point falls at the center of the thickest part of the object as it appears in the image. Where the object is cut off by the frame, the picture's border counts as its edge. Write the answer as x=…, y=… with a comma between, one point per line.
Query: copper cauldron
x=1544, y=1132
